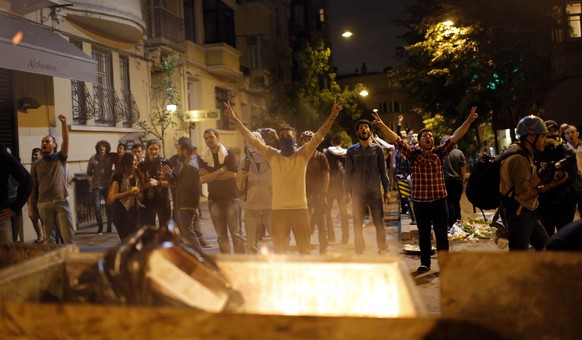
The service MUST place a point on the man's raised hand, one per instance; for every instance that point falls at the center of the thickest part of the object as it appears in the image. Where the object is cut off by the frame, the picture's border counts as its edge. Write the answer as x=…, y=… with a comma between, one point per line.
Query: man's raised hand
x=473, y=115
x=377, y=120
x=228, y=111
x=336, y=108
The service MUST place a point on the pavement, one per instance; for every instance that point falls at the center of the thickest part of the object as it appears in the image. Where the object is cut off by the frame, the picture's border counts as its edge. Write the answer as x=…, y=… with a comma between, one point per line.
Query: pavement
x=428, y=284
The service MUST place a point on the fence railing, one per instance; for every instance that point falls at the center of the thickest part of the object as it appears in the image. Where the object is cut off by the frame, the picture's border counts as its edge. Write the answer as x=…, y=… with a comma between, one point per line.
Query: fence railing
x=85, y=212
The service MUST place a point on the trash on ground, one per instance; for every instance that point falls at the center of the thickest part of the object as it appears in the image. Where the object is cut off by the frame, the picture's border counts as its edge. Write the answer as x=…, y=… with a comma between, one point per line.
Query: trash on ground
x=471, y=230
x=412, y=249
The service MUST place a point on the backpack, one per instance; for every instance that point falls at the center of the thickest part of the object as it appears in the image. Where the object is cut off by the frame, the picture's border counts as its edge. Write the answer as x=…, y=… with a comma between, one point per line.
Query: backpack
x=483, y=184
x=336, y=165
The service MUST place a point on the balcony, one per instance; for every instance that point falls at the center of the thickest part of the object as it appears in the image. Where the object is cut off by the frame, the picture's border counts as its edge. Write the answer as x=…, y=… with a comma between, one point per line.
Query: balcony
x=165, y=25
x=117, y=20
x=223, y=60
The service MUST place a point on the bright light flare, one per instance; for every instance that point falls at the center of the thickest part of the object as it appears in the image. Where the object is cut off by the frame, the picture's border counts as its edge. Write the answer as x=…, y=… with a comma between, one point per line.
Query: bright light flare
x=17, y=38
x=171, y=107
x=448, y=23
x=364, y=93
x=347, y=34
x=264, y=250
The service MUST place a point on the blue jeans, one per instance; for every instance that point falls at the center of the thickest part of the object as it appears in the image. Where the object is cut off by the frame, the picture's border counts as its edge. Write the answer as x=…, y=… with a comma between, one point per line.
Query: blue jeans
x=360, y=205
x=255, y=222
x=317, y=210
x=337, y=195
x=185, y=220
x=5, y=231
x=57, y=213
x=96, y=196
x=433, y=214
x=225, y=217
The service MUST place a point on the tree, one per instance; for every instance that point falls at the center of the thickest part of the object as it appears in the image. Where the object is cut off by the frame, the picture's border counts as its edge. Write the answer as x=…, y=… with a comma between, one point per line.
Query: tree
x=164, y=93
x=492, y=53
x=305, y=102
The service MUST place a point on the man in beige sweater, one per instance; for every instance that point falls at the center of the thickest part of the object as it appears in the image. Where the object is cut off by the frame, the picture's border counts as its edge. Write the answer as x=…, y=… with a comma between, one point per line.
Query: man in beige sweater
x=288, y=165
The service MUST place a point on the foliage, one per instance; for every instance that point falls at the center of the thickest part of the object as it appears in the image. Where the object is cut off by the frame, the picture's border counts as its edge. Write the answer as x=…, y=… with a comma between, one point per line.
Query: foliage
x=494, y=54
x=436, y=124
x=306, y=102
x=163, y=91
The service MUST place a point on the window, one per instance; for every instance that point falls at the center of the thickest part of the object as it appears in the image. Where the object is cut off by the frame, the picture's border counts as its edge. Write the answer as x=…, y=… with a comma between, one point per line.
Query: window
x=193, y=87
x=82, y=102
x=218, y=23
x=397, y=107
x=256, y=51
x=190, y=20
x=299, y=17
x=130, y=112
x=222, y=96
x=574, y=14
x=103, y=92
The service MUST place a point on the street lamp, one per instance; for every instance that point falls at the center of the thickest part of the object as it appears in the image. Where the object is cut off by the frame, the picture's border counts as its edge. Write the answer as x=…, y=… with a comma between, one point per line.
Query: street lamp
x=364, y=93
x=171, y=108
x=347, y=34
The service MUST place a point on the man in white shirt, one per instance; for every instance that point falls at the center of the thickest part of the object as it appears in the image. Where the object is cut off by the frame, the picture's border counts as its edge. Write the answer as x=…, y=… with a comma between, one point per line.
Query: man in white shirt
x=573, y=137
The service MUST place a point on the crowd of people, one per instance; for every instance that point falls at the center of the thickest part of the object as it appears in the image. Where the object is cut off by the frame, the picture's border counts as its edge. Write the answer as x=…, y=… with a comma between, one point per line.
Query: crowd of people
x=289, y=187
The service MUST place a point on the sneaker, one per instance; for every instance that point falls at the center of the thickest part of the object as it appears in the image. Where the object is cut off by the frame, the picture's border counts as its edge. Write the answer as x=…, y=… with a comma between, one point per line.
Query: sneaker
x=383, y=251
x=413, y=222
x=203, y=244
x=423, y=269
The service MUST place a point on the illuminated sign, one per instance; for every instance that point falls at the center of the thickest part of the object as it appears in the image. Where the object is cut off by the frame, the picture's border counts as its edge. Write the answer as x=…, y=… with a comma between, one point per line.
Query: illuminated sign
x=200, y=115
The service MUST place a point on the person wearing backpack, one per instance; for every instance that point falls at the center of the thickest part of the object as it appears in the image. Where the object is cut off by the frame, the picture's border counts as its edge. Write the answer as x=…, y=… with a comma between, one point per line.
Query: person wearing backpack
x=520, y=186
x=336, y=157
x=428, y=183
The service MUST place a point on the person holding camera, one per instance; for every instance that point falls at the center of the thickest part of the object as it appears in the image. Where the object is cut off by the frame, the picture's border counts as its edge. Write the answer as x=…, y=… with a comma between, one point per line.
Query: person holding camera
x=520, y=186
x=558, y=205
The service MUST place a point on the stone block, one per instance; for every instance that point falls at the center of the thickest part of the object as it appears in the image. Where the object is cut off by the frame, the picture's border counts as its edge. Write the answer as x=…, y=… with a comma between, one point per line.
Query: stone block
x=538, y=293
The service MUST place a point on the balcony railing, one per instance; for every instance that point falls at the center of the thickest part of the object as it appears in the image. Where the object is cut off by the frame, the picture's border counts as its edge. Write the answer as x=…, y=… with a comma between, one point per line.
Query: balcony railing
x=104, y=106
x=108, y=107
x=130, y=113
x=165, y=25
x=83, y=107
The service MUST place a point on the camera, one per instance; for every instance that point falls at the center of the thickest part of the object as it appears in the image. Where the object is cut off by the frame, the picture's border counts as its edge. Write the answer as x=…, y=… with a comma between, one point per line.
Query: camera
x=551, y=170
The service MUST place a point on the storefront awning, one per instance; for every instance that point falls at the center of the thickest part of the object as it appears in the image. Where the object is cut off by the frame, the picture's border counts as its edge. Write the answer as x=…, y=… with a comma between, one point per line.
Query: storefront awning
x=28, y=47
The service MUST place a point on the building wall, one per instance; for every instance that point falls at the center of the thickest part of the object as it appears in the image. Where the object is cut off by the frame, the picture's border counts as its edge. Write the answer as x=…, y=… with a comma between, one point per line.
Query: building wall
x=55, y=94
x=386, y=96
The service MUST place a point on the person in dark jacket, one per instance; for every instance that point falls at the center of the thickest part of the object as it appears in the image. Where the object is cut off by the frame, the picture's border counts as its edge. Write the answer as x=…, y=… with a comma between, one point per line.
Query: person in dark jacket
x=126, y=195
x=11, y=167
x=156, y=193
x=187, y=185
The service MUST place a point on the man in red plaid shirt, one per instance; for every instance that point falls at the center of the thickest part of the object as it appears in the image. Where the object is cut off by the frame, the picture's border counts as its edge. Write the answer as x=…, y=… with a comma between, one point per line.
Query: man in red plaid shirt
x=428, y=183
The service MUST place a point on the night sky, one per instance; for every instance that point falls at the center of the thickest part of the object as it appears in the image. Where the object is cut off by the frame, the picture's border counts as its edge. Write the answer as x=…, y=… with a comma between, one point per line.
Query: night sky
x=374, y=41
